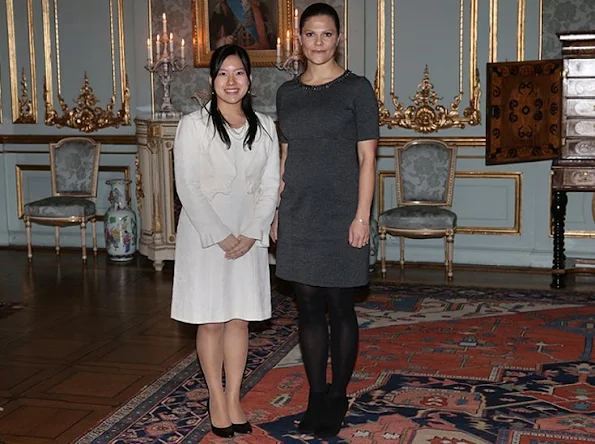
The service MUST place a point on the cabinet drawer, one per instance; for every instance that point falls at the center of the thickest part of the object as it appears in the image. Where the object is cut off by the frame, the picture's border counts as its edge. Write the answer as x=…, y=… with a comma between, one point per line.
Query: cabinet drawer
x=579, y=149
x=573, y=179
x=580, y=107
x=580, y=127
x=580, y=87
x=580, y=67
x=579, y=177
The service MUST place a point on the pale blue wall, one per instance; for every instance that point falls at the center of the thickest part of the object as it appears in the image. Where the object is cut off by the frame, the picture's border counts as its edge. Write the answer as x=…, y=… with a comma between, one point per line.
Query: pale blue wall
x=426, y=33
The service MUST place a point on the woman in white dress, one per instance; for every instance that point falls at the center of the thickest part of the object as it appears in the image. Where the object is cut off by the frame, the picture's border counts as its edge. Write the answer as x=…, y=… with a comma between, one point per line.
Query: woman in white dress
x=227, y=175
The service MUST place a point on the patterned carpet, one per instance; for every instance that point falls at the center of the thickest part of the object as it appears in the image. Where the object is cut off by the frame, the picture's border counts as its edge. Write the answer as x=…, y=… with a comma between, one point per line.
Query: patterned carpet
x=437, y=364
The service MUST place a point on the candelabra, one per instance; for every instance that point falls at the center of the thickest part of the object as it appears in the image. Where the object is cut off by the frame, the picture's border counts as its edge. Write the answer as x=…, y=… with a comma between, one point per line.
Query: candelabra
x=293, y=62
x=165, y=65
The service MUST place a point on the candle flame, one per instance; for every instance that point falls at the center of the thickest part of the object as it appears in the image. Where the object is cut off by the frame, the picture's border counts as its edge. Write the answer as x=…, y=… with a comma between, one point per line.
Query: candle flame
x=158, y=37
x=171, y=35
x=164, y=18
x=183, y=42
x=278, y=40
x=295, y=12
x=288, y=33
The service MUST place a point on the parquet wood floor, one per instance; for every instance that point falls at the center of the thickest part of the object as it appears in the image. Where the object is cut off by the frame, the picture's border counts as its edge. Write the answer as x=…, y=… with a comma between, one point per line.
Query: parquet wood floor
x=90, y=337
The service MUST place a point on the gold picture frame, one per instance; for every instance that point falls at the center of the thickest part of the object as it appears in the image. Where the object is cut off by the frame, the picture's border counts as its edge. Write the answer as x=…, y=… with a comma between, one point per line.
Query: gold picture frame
x=276, y=14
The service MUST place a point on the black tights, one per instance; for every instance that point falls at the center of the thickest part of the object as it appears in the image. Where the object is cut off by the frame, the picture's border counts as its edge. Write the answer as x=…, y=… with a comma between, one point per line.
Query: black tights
x=313, y=303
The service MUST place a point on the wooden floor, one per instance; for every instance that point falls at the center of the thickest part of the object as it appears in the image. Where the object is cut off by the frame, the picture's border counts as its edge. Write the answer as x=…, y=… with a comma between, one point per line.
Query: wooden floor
x=90, y=337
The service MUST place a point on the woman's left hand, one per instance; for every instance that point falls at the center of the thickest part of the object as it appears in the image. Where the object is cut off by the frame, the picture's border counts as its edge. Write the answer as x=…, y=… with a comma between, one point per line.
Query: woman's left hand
x=359, y=234
x=243, y=246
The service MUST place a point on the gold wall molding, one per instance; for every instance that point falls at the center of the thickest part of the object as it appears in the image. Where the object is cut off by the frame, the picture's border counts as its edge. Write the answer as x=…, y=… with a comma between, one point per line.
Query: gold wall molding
x=24, y=109
x=45, y=139
x=493, y=49
x=20, y=168
x=427, y=114
x=515, y=230
x=460, y=141
x=520, y=30
x=26, y=114
x=86, y=116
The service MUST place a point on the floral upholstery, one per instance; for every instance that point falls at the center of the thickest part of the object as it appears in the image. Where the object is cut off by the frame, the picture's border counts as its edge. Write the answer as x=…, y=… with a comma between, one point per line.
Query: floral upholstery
x=73, y=163
x=418, y=217
x=424, y=169
x=60, y=207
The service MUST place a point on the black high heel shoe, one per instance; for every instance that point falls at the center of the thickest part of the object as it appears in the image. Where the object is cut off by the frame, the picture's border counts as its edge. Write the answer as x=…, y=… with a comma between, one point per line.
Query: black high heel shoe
x=316, y=407
x=222, y=432
x=332, y=420
x=242, y=429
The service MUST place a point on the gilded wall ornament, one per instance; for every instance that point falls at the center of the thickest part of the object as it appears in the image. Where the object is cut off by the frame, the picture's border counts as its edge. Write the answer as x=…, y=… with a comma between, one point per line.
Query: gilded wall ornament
x=87, y=116
x=426, y=114
x=26, y=114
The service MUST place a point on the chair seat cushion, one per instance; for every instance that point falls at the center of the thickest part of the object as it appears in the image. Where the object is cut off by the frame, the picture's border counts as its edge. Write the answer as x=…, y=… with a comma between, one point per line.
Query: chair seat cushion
x=60, y=206
x=418, y=217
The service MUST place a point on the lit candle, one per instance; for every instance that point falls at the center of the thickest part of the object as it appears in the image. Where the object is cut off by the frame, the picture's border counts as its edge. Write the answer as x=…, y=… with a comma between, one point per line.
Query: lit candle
x=158, y=48
x=164, y=20
x=288, y=42
x=296, y=21
x=183, y=49
x=278, y=50
x=171, y=44
x=149, y=55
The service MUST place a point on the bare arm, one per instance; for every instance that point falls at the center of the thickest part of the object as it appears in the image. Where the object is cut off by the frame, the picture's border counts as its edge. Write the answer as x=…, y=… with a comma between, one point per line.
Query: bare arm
x=359, y=231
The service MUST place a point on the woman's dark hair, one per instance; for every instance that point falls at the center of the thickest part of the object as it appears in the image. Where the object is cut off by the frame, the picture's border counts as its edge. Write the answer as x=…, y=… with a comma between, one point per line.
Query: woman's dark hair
x=318, y=9
x=217, y=59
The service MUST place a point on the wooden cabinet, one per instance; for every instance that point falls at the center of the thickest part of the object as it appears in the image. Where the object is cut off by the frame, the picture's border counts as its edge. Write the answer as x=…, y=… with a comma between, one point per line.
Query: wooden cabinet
x=545, y=110
x=156, y=189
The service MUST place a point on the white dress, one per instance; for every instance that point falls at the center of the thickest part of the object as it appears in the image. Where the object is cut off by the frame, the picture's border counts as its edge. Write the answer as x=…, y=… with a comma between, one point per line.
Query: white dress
x=223, y=191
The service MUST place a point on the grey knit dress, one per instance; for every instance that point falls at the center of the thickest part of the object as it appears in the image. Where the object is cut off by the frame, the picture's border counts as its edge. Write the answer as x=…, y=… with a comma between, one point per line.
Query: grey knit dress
x=322, y=125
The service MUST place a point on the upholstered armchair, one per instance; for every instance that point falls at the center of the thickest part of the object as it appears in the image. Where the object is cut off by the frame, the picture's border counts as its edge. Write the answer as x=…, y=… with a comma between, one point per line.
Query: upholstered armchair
x=74, y=163
x=424, y=172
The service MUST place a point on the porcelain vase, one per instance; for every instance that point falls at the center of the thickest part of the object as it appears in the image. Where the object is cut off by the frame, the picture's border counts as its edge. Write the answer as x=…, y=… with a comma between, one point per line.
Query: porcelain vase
x=119, y=223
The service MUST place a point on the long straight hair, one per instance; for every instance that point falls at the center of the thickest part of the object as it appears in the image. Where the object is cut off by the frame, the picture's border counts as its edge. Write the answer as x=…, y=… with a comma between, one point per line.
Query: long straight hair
x=217, y=59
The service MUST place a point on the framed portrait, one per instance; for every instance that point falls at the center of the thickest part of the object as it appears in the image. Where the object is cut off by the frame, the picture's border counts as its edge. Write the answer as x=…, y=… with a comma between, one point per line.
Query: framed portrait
x=251, y=24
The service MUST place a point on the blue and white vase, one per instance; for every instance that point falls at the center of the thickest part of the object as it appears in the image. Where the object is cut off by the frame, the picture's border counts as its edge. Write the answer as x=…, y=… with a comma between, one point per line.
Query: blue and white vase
x=119, y=223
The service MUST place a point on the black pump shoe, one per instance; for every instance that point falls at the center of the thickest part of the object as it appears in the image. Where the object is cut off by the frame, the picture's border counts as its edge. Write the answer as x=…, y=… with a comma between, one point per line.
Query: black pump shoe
x=242, y=429
x=222, y=432
x=332, y=420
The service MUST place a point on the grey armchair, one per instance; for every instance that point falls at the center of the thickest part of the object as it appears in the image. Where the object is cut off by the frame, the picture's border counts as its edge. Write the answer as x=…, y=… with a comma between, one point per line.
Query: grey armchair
x=425, y=173
x=74, y=163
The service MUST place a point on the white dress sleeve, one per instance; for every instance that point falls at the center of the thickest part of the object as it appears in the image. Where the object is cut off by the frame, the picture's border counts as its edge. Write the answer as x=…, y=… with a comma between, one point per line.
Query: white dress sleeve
x=186, y=163
x=260, y=225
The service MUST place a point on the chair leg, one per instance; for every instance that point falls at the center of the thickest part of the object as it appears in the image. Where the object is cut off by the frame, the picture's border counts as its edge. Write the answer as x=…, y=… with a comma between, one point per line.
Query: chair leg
x=84, y=240
x=57, y=231
x=450, y=238
x=28, y=230
x=383, y=252
x=94, y=227
x=402, y=251
x=445, y=254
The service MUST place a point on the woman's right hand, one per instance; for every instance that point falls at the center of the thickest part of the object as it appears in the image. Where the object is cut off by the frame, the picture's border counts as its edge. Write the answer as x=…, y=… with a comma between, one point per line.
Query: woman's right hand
x=228, y=243
x=275, y=227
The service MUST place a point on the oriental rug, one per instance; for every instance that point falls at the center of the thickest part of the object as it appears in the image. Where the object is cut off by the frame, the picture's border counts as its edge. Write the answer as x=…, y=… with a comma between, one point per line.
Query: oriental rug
x=437, y=364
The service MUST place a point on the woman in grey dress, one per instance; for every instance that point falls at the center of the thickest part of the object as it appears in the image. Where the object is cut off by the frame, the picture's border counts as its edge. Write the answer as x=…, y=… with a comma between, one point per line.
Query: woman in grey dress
x=328, y=119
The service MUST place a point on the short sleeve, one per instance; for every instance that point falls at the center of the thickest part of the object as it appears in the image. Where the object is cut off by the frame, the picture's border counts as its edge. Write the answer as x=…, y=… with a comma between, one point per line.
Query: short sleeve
x=282, y=138
x=366, y=112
